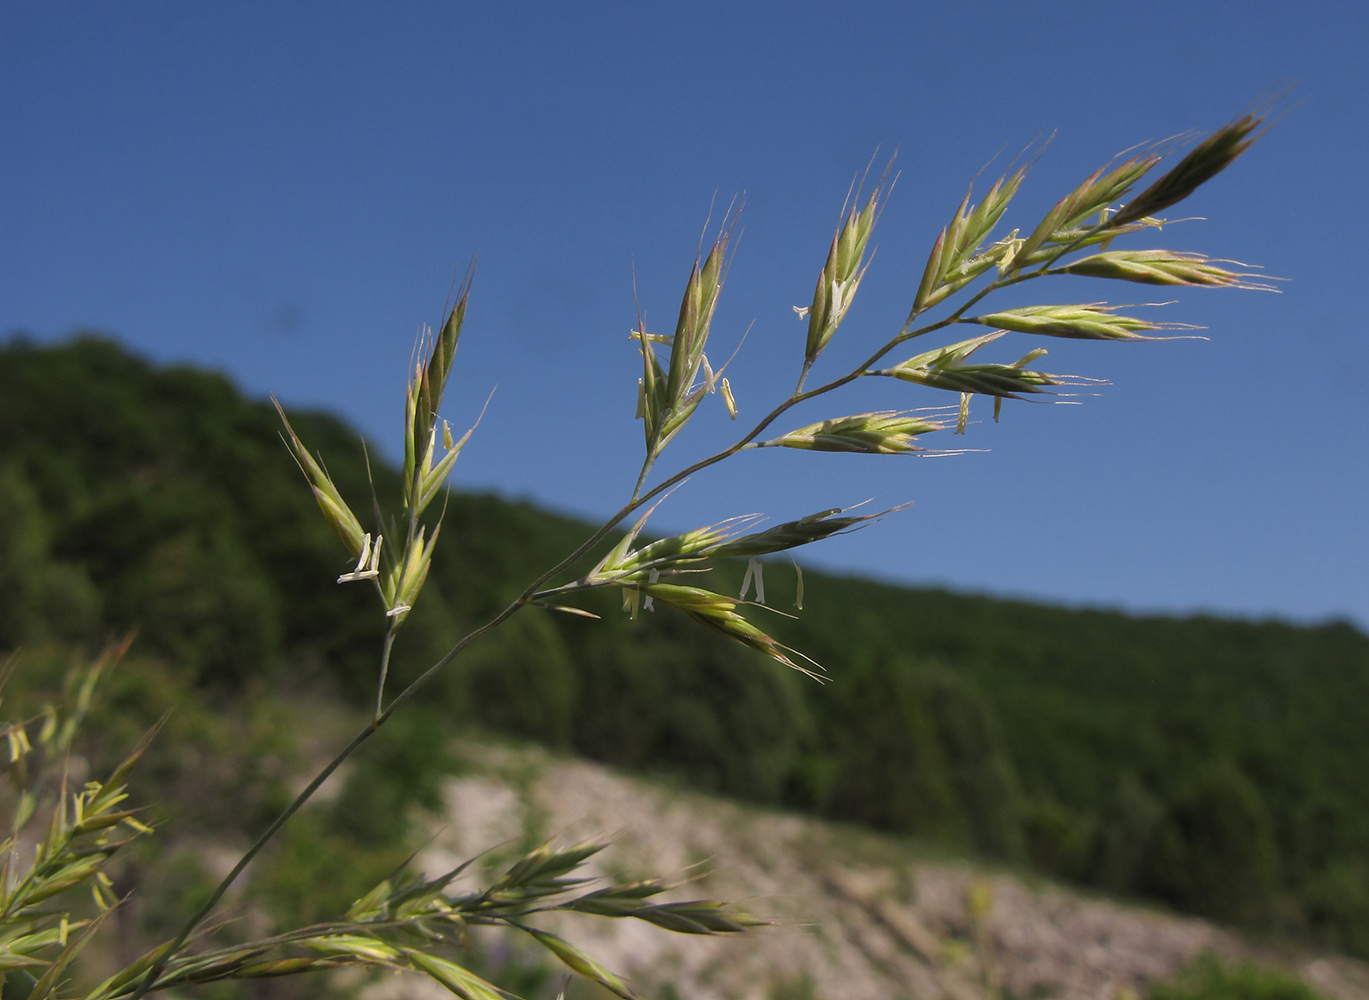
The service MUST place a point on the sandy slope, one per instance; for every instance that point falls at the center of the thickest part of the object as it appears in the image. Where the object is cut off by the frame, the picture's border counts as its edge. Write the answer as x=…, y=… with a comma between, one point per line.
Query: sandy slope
x=861, y=916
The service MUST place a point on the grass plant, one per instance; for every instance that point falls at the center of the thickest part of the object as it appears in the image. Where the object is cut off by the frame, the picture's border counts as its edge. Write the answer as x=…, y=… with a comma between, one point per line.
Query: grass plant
x=415, y=922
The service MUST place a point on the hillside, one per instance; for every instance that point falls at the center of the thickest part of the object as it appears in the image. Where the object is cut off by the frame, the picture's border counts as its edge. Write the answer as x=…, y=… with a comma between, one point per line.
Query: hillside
x=860, y=916
x=1214, y=766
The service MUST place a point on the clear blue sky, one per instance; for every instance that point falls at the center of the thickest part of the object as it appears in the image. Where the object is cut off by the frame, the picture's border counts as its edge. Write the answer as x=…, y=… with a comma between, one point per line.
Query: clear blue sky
x=285, y=191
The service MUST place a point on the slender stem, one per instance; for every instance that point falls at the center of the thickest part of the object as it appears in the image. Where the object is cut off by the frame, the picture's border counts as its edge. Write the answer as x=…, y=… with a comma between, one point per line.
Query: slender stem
x=422, y=680
x=176, y=972
x=384, y=667
x=150, y=980
x=641, y=476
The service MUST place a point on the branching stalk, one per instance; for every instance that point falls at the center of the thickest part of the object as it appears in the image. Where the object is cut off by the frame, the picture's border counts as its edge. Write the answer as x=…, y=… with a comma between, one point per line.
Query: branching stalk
x=534, y=591
x=668, y=404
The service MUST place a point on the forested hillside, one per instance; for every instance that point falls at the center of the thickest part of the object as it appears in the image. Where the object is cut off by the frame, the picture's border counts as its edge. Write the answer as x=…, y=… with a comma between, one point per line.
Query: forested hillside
x=1216, y=765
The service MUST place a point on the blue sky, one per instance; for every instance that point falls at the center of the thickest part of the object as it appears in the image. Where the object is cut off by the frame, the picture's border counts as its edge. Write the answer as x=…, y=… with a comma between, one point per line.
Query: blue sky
x=286, y=191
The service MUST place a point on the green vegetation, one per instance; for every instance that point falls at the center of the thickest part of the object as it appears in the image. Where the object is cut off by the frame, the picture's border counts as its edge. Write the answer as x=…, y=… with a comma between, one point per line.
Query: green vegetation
x=1208, y=978
x=1210, y=764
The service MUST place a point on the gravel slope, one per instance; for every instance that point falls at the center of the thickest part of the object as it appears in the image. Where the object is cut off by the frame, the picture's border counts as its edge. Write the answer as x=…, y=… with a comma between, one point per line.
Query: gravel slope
x=860, y=916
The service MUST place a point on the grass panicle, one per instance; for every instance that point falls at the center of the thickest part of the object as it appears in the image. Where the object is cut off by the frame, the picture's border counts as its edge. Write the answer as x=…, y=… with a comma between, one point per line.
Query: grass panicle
x=414, y=923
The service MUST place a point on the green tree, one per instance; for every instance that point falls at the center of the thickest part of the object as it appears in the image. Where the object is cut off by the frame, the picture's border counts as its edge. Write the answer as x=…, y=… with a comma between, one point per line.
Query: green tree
x=1214, y=852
